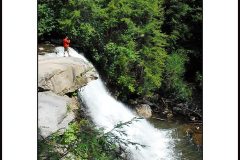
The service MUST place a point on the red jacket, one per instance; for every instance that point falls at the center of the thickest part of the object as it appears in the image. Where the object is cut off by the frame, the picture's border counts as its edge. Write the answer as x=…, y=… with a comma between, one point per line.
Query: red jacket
x=66, y=42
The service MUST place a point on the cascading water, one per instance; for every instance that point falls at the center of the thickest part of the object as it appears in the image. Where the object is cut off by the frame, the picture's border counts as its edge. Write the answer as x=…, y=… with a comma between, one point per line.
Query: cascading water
x=106, y=112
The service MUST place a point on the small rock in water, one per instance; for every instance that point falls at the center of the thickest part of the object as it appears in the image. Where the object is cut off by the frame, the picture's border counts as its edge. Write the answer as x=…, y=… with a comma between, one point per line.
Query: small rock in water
x=166, y=111
x=144, y=110
x=192, y=118
x=169, y=115
x=41, y=48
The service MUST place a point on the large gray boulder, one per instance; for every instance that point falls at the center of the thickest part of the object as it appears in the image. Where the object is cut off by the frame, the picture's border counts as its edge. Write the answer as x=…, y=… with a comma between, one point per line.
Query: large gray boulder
x=64, y=74
x=54, y=113
x=57, y=76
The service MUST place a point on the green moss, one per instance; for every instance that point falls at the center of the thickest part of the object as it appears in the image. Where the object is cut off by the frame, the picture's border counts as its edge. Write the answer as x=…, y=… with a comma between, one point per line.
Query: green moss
x=68, y=108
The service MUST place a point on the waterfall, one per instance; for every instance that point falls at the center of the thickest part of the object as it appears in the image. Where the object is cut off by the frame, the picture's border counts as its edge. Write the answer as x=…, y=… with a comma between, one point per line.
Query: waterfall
x=106, y=112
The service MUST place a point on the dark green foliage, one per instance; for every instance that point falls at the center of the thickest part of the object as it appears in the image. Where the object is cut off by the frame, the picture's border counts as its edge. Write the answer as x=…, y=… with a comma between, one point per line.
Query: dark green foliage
x=48, y=14
x=72, y=94
x=183, y=25
x=134, y=44
x=83, y=141
x=123, y=38
x=45, y=19
x=80, y=141
x=174, y=84
x=199, y=80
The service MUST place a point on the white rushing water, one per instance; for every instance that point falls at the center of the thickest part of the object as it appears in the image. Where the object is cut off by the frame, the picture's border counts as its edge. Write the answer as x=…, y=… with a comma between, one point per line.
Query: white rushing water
x=106, y=112
x=59, y=52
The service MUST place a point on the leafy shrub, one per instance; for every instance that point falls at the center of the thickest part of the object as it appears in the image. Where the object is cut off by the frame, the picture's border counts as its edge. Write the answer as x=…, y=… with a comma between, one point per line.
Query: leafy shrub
x=83, y=141
x=45, y=19
x=199, y=79
x=174, y=84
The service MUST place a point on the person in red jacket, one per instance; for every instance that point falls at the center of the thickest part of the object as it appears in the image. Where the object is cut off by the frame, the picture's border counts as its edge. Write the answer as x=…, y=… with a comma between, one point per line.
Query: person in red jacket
x=66, y=43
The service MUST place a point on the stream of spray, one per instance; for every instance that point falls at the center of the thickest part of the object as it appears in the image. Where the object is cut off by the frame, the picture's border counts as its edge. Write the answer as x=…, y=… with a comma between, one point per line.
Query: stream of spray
x=106, y=112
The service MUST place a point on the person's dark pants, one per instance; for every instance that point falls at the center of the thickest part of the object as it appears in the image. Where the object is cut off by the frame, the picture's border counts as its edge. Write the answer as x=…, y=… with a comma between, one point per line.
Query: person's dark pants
x=66, y=49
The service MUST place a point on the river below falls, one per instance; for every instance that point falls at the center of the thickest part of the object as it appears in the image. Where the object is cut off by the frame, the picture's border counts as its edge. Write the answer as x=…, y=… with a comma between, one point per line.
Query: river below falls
x=163, y=140
x=188, y=143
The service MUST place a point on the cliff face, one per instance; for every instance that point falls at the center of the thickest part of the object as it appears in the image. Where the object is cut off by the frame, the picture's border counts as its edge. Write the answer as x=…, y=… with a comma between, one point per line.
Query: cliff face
x=57, y=78
x=63, y=74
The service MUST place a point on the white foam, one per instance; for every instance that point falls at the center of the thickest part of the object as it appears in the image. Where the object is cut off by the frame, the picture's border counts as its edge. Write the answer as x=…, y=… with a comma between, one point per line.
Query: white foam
x=60, y=53
x=106, y=112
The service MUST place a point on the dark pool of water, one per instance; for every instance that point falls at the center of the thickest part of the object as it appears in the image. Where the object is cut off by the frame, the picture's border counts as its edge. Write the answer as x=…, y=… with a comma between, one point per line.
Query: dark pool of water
x=187, y=146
